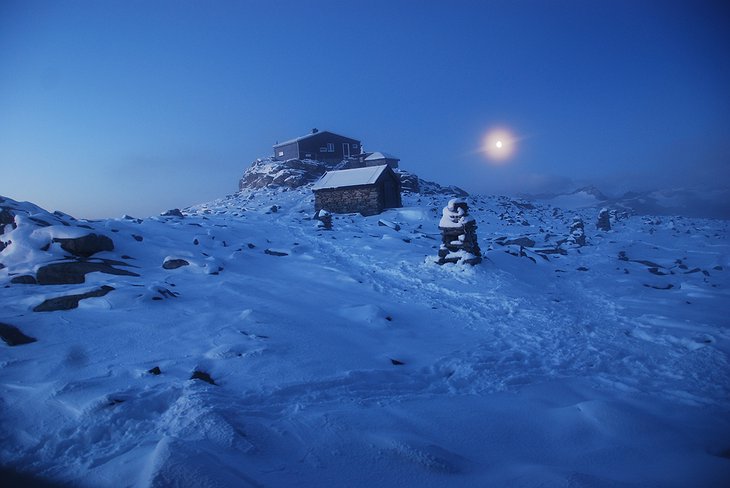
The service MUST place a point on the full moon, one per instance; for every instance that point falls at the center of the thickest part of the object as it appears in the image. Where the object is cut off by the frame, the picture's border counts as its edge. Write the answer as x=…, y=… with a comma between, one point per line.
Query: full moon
x=499, y=146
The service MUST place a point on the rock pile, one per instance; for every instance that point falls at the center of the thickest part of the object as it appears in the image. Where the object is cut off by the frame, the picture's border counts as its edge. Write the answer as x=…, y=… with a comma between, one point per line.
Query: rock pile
x=604, y=220
x=458, y=234
x=325, y=219
x=577, y=232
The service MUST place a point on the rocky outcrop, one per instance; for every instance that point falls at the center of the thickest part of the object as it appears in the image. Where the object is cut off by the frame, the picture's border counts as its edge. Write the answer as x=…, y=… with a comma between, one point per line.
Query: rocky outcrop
x=174, y=212
x=292, y=173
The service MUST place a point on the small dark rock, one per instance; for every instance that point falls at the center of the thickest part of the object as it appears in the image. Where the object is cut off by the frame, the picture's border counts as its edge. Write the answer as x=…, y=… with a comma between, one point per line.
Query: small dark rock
x=395, y=362
x=155, y=371
x=174, y=263
x=203, y=376
x=24, y=280
x=250, y=246
x=13, y=336
x=137, y=238
x=271, y=252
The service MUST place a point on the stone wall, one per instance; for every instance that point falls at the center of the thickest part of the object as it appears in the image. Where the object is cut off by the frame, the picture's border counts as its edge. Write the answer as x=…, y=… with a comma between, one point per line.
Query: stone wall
x=364, y=200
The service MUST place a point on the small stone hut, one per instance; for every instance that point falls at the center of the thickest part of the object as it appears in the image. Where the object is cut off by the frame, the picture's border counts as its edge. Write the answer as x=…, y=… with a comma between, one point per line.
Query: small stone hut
x=380, y=158
x=367, y=191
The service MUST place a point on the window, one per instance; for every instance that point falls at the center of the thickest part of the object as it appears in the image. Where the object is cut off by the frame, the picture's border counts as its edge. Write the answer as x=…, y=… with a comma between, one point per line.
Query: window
x=330, y=147
x=354, y=146
x=280, y=154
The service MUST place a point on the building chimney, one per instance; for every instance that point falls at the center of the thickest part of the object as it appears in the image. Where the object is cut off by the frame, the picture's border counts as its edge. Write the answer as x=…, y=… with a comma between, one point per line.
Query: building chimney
x=315, y=130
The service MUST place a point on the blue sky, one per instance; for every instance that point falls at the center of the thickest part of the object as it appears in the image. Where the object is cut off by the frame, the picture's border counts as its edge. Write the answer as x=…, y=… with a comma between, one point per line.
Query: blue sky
x=134, y=107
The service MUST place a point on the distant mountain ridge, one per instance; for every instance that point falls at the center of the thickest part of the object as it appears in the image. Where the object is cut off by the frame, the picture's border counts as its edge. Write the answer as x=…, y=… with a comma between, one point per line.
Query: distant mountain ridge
x=687, y=202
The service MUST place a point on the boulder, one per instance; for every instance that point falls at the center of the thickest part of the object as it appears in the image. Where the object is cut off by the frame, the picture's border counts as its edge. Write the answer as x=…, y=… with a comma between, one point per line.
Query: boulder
x=74, y=272
x=175, y=212
x=13, y=336
x=202, y=376
x=24, y=280
x=69, y=302
x=174, y=263
x=87, y=245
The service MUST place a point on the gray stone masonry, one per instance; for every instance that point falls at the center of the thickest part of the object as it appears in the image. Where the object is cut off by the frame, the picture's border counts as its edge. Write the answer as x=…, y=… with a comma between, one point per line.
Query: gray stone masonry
x=364, y=200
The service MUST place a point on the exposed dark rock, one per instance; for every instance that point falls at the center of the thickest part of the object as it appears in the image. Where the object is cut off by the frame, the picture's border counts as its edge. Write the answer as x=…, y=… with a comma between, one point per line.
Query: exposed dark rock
x=6, y=217
x=174, y=263
x=250, y=246
x=137, y=238
x=74, y=272
x=202, y=376
x=69, y=302
x=395, y=362
x=24, y=280
x=175, y=212
x=13, y=336
x=667, y=287
x=155, y=371
x=272, y=252
x=87, y=245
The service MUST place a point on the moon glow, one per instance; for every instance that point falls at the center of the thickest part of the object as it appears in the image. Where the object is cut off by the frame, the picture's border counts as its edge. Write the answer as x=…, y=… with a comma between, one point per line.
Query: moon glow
x=498, y=146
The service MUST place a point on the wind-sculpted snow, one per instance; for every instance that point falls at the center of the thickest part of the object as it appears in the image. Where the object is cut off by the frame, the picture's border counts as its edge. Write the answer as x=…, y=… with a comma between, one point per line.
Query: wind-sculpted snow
x=283, y=354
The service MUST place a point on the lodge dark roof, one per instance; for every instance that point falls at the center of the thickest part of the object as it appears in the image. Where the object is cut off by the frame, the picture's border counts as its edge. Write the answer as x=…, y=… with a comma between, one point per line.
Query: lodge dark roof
x=311, y=134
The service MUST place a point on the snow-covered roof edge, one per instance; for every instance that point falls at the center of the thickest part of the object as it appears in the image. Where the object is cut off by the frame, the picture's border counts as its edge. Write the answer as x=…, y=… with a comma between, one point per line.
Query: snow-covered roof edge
x=349, y=177
x=381, y=155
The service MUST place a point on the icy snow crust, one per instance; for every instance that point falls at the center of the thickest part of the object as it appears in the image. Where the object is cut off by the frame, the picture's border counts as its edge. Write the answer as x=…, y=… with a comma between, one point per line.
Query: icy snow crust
x=353, y=360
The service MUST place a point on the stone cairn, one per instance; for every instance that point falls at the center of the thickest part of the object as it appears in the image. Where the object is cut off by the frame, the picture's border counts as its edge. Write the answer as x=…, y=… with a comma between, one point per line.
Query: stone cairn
x=325, y=220
x=604, y=220
x=459, y=235
x=577, y=232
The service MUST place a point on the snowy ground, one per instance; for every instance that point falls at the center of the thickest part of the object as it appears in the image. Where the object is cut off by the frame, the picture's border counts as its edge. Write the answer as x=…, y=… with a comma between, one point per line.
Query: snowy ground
x=582, y=369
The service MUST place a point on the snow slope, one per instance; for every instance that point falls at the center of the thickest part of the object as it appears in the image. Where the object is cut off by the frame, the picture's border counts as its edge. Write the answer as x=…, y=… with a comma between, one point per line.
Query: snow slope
x=348, y=358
